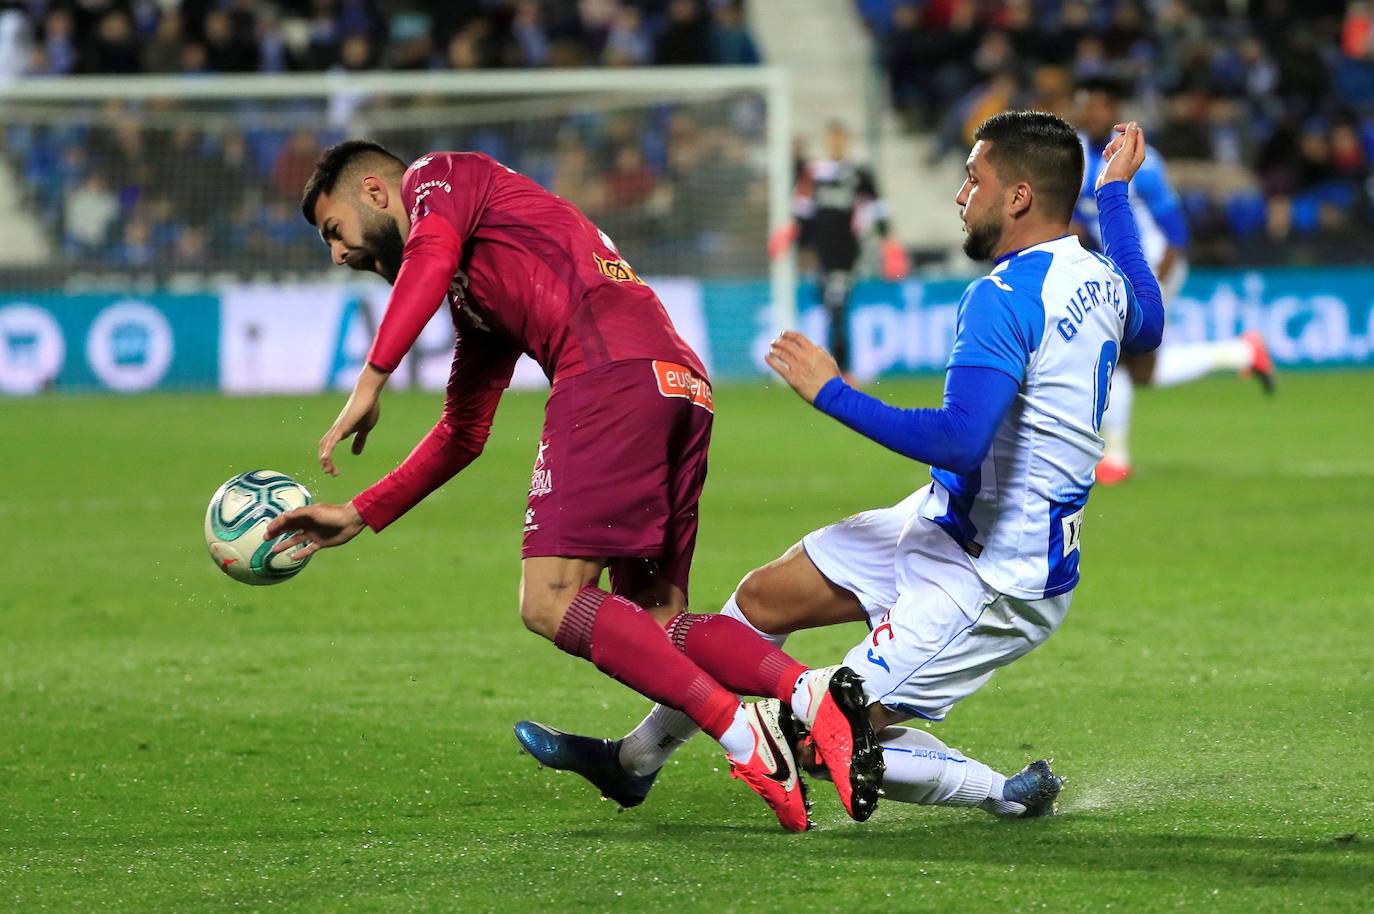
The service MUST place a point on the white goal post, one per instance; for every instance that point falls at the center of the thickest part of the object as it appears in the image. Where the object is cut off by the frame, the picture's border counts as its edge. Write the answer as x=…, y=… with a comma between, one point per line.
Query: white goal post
x=746, y=110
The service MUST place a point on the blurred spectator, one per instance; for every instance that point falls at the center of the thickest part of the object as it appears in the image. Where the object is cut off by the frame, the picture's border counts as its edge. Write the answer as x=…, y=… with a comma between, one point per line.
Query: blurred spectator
x=730, y=40
x=471, y=48
x=114, y=48
x=90, y=213
x=229, y=49
x=683, y=39
x=629, y=182
x=627, y=41
x=59, y=44
x=135, y=249
x=194, y=60
x=16, y=40
x=295, y=164
x=356, y=53
x=530, y=37
x=163, y=53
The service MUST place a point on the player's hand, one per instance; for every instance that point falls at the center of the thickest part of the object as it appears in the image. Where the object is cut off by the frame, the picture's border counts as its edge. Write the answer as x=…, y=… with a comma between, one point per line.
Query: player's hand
x=358, y=417
x=805, y=366
x=1124, y=154
x=316, y=527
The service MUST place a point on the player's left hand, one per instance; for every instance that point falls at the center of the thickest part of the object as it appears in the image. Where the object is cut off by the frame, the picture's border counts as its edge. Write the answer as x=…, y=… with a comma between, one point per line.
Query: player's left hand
x=805, y=366
x=1124, y=154
x=316, y=527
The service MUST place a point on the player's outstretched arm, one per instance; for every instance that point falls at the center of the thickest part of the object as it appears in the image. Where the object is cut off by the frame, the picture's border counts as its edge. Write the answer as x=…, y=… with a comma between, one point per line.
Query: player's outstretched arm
x=955, y=437
x=316, y=527
x=358, y=417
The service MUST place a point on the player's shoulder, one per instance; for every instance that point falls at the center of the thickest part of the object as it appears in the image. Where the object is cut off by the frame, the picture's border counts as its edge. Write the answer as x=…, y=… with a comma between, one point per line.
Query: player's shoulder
x=1013, y=288
x=445, y=162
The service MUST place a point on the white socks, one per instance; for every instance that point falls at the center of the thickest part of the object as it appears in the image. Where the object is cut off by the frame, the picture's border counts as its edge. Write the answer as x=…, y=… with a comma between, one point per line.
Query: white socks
x=922, y=769
x=801, y=696
x=647, y=747
x=1182, y=362
x=738, y=738
x=1116, y=421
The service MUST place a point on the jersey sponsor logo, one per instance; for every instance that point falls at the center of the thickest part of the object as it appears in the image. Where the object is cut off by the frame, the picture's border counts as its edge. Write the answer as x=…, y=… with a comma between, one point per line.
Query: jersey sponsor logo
x=421, y=162
x=1073, y=529
x=530, y=525
x=679, y=381
x=541, y=482
x=617, y=270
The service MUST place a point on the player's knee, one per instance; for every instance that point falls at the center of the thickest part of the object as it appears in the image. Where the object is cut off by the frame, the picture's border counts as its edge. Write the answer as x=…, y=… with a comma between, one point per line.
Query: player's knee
x=540, y=614
x=754, y=602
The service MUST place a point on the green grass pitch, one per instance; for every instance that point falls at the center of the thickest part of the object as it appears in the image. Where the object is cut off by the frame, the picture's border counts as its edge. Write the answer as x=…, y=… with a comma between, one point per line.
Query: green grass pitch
x=171, y=741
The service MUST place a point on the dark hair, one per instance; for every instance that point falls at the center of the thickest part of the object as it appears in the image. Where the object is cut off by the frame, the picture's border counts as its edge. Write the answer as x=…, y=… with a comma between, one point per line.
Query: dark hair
x=336, y=160
x=1041, y=149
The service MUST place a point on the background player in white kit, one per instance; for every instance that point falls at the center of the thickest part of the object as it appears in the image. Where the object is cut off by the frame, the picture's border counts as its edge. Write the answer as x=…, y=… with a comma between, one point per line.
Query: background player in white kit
x=977, y=568
x=1164, y=238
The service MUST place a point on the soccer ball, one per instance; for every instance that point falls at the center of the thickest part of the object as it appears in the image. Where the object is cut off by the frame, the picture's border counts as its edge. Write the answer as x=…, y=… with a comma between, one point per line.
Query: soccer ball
x=236, y=524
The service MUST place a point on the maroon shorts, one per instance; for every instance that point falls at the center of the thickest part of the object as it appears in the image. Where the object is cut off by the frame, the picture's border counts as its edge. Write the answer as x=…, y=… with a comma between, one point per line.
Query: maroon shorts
x=620, y=469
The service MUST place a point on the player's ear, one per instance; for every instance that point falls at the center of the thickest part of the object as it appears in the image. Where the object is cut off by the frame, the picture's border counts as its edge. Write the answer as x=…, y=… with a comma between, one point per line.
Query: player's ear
x=376, y=192
x=1021, y=197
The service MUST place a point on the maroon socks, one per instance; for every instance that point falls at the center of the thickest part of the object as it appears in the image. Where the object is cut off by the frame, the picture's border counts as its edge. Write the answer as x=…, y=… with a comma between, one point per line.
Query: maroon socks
x=735, y=655
x=625, y=643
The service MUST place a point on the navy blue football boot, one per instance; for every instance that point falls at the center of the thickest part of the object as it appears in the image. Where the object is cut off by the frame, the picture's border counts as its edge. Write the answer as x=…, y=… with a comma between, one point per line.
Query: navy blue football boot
x=1035, y=787
x=597, y=760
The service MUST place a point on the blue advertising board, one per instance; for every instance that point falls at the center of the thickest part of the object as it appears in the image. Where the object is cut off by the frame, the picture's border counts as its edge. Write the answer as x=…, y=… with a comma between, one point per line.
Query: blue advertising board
x=121, y=343
x=256, y=339
x=1311, y=317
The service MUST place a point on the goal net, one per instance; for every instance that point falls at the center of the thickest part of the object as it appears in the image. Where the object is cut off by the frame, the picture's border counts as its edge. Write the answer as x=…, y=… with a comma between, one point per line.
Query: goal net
x=181, y=185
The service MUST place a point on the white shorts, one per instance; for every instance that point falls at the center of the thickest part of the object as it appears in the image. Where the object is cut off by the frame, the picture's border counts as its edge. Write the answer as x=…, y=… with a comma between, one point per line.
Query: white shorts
x=937, y=631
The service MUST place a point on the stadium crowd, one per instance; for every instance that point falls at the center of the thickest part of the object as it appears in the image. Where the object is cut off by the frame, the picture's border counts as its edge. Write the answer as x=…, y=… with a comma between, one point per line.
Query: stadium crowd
x=141, y=186
x=60, y=37
x=1264, y=109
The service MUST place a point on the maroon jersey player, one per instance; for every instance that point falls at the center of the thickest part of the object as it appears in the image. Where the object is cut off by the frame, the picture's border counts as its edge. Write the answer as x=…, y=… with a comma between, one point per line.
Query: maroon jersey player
x=621, y=461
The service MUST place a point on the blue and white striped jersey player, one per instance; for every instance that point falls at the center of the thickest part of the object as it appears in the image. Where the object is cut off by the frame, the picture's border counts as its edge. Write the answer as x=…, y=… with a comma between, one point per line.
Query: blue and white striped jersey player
x=979, y=566
x=1164, y=238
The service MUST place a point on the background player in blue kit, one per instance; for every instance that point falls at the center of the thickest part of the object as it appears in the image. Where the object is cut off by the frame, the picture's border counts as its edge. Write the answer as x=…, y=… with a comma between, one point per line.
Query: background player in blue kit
x=977, y=568
x=1164, y=237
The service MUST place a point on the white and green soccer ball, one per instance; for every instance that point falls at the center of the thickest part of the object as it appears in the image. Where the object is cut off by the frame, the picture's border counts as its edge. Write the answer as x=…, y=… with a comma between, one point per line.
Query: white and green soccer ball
x=236, y=526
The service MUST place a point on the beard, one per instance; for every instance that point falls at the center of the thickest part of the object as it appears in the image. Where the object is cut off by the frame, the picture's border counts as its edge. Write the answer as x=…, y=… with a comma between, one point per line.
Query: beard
x=980, y=238
x=383, y=239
